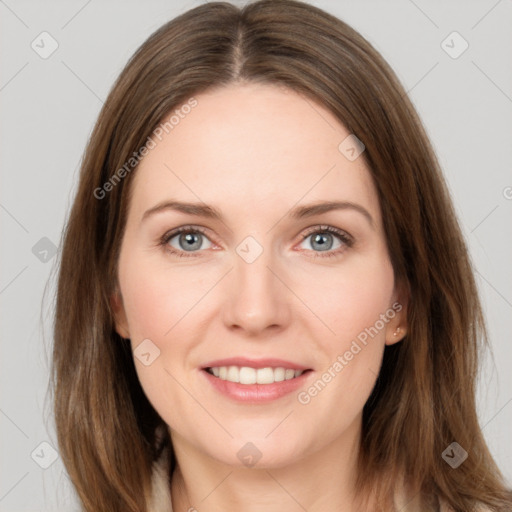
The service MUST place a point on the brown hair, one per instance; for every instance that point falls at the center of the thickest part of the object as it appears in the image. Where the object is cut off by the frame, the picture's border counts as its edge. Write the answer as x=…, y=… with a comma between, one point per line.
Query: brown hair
x=424, y=398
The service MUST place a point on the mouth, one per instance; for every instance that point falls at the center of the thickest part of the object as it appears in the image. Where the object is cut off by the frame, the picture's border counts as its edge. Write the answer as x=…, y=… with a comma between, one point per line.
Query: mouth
x=249, y=385
x=247, y=375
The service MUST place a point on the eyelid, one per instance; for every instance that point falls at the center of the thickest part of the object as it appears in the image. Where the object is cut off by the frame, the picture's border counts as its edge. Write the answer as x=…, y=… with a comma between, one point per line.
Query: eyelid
x=321, y=228
x=176, y=231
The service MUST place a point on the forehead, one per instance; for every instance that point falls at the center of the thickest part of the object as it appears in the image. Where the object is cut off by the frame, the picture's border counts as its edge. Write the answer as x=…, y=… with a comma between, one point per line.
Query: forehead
x=255, y=146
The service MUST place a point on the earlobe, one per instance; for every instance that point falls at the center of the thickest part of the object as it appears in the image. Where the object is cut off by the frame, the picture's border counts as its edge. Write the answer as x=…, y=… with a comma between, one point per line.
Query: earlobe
x=398, y=334
x=120, y=320
x=397, y=327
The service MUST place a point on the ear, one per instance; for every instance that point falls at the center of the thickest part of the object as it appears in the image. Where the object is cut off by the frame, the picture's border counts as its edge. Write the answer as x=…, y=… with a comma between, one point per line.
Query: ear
x=396, y=328
x=120, y=320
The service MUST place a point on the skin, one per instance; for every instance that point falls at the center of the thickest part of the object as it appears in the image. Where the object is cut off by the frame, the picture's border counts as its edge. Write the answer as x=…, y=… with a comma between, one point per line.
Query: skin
x=254, y=152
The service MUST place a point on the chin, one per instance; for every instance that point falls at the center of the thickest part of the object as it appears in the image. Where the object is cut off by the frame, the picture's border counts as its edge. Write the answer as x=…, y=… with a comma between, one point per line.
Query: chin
x=257, y=453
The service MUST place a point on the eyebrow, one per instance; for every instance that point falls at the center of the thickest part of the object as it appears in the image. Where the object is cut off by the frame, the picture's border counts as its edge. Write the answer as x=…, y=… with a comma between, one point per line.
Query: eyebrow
x=299, y=212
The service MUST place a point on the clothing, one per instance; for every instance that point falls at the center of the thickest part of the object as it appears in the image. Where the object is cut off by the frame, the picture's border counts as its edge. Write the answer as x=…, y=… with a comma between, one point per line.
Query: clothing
x=160, y=500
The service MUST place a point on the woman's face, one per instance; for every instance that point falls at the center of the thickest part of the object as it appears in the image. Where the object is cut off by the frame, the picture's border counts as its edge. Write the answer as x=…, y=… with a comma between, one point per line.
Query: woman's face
x=263, y=280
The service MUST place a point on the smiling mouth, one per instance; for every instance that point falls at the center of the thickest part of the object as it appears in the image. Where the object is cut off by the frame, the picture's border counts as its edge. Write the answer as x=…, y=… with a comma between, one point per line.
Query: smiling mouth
x=247, y=375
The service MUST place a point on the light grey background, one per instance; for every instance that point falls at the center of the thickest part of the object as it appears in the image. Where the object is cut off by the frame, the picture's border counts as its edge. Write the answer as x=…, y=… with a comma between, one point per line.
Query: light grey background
x=48, y=108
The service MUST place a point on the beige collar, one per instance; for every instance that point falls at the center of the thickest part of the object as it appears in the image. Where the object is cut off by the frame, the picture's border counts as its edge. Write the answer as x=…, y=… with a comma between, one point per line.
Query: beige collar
x=160, y=500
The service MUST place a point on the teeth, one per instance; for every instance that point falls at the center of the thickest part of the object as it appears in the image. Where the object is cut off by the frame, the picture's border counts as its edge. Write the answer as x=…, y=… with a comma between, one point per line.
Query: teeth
x=279, y=374
x=247, y=375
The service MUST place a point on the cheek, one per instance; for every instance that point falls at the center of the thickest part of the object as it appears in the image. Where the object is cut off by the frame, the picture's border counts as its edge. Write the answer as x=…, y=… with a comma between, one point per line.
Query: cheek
x=356, y=306
x=159, y=304
x=157, y=298
x=349, y=299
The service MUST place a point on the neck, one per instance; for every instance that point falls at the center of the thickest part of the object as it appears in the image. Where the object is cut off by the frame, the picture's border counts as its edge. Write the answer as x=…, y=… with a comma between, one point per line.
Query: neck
x=321, y=480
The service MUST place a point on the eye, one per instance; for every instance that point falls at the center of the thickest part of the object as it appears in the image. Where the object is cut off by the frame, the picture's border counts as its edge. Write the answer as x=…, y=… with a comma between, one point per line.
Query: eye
x=186, y=239
x=189, y=241
x=323, y=238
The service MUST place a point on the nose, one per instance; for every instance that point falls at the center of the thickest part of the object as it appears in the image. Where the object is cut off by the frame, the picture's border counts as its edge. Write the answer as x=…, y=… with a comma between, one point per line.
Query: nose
x=257, y=298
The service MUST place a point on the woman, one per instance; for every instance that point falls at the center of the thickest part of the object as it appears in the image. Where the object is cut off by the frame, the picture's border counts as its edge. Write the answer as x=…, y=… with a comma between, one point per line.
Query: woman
x=207, y=354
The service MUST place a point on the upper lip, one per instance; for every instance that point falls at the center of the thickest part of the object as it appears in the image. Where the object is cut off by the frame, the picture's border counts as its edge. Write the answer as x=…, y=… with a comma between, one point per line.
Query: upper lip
x=255, y=363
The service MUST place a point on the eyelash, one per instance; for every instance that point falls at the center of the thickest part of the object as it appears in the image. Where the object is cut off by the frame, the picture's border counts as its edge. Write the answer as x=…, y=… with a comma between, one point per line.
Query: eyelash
x=343, y=237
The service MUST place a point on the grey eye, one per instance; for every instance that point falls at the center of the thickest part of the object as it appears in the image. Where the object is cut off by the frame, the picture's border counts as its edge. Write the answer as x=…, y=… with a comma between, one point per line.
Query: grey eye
x=188, y=241
x=322, y=241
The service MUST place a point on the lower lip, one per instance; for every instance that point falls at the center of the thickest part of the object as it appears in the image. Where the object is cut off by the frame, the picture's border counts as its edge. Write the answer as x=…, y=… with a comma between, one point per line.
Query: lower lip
x=256, y=393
